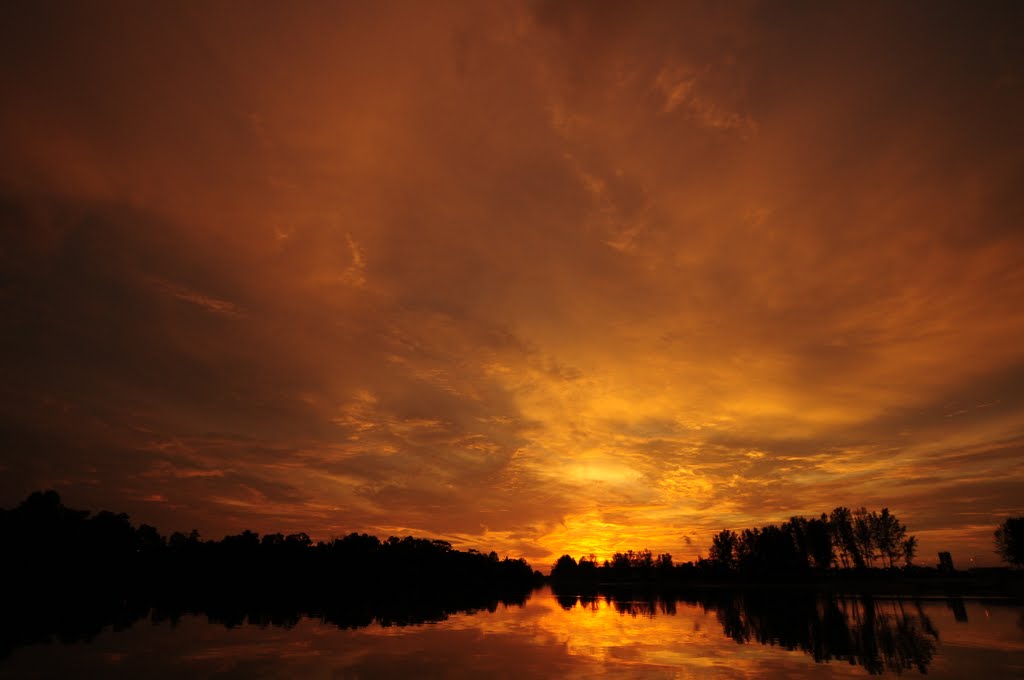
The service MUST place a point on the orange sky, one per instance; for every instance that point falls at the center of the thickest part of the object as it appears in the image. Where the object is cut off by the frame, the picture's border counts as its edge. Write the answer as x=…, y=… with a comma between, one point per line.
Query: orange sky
x=534, y=277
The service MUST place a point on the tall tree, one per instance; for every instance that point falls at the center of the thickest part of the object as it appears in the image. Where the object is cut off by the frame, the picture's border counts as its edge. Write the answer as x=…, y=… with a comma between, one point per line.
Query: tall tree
x=796, y=527
x=819, y=542
x=1010, y=540
x=723, y=549
x=888, y=535
x=863, y=535
x=840, y=524
x=909, y=548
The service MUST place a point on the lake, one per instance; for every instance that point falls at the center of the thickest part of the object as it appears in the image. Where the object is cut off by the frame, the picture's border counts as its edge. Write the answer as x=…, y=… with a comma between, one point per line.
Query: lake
x=707, y=635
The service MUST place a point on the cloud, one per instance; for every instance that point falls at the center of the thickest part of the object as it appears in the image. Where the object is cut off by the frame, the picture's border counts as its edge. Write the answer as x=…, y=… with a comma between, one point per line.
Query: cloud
x=211, y=304
x=538, y=278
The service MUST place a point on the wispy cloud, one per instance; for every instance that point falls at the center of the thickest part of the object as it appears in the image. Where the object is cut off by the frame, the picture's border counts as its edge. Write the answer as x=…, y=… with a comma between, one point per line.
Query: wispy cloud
x=598, y=277
x=209, y=303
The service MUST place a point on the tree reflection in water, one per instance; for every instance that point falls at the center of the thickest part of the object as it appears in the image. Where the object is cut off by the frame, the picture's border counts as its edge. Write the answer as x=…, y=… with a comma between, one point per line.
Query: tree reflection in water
x=881, y=635
x=82, y=619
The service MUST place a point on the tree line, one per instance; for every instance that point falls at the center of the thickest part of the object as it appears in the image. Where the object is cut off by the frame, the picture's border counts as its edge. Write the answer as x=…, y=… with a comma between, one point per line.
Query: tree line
x=44, y=540
x=47, y=542
x=841, y=540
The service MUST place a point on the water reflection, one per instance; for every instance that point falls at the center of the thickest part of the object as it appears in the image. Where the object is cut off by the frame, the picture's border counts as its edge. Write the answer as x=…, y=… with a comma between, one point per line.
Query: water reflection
x=707, y=634
x=884, y=635
x=82, y=620
x=956, y=604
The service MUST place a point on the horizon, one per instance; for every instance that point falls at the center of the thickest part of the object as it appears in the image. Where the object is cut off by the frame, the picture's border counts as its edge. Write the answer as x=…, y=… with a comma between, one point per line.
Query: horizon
x=531, y=277
x=888, y=539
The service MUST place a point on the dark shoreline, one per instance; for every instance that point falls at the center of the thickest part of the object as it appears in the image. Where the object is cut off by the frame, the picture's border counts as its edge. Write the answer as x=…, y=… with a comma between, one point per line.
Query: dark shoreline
x=982, y=583
x=874, y=624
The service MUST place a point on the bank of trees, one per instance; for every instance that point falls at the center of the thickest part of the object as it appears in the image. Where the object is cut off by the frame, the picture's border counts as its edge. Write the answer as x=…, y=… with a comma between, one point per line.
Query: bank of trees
x=69, y=574
x=841, y=539
x=46, y=542
x=623, y=566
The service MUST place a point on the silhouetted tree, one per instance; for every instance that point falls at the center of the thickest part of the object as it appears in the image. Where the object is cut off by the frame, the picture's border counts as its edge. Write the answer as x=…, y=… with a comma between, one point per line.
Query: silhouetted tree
x=796, y=528
x=272, y=540
x=888, y=535
x=799, y=544
x=587, y=568
x=149, y=540
x=864, y=536
x=840, y=524
x=565, y=568
x=909, y=549
x=722, y=553
x=622, y=564
x=633, y=564
x=770, y=549
x=1009, y=538
x=66, y=555
x=819, y=542
x=299, y=540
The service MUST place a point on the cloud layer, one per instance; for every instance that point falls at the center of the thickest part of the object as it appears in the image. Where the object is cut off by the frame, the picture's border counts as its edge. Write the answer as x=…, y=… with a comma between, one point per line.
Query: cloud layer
x=541, y=277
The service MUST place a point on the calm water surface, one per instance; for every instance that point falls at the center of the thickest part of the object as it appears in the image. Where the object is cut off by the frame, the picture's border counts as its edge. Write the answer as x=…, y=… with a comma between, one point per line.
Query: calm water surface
x=734, y=637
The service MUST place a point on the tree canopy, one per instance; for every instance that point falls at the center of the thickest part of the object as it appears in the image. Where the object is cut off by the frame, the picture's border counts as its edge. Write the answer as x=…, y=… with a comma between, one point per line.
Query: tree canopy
x=1009, y=538
x=841, y=539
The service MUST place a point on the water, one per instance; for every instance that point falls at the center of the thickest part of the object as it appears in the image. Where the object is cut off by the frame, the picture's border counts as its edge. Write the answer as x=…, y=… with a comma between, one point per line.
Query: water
x=717, y=635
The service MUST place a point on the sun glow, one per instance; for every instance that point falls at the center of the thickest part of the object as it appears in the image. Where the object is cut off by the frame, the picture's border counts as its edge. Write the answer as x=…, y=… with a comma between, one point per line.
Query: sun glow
x=531, y=277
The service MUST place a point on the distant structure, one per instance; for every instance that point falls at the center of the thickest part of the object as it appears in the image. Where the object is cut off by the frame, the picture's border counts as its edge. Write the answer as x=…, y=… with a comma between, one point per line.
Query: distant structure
x=945, y=564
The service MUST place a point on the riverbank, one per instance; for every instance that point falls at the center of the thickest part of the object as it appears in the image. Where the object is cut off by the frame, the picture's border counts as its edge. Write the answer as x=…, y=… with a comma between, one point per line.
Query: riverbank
x=994, y=582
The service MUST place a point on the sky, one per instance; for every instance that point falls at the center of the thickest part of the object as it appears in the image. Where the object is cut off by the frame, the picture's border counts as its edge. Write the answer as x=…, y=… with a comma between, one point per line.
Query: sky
x=534, y=277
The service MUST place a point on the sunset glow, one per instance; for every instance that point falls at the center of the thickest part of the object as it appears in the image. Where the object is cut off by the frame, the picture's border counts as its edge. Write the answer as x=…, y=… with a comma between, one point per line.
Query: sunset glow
x=532, y=277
